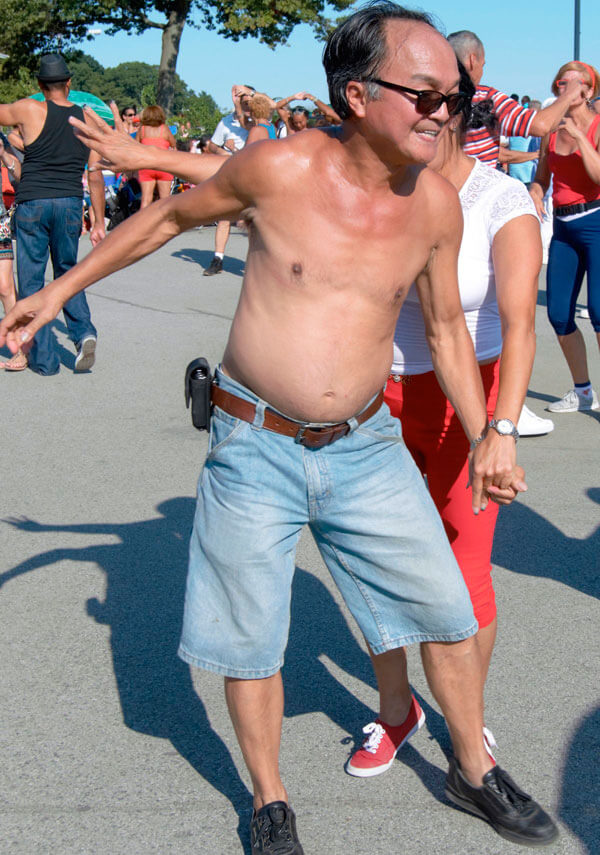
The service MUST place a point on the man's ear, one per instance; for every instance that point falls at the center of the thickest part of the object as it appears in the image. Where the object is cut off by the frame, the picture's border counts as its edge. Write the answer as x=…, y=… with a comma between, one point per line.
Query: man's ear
x=356, y=95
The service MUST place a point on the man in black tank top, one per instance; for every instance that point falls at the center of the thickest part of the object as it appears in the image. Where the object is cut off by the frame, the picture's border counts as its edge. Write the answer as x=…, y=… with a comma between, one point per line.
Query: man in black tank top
x=49, y=207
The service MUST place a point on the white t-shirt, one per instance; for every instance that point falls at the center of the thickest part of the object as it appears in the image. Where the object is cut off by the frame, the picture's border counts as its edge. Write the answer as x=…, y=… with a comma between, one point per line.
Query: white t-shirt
x=489, y=199
x=230, y=129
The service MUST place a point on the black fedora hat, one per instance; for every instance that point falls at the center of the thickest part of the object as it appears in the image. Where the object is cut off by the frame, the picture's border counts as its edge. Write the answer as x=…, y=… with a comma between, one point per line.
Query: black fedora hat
x=53, y=69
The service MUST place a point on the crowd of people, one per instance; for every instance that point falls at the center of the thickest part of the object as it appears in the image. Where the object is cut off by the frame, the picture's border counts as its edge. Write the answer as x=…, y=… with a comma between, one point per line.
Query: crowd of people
x=397, y=317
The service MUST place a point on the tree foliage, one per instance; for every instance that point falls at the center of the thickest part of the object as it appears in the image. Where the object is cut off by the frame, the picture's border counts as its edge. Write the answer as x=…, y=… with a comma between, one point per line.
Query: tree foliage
x=126, y=83
x=34, y=26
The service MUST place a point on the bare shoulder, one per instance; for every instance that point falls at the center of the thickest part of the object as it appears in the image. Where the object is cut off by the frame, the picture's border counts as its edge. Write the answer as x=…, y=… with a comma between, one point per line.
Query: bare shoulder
x=442, y=204
x=28, y=107
x=277, y=162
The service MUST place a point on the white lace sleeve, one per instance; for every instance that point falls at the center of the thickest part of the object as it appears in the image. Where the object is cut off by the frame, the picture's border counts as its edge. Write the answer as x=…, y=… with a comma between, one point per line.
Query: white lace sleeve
x=513, y=201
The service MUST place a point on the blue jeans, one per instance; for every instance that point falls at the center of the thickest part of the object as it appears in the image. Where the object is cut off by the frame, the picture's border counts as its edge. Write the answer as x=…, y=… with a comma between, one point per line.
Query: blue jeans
x=50, y=227
x=373, y=521
x=574, y=251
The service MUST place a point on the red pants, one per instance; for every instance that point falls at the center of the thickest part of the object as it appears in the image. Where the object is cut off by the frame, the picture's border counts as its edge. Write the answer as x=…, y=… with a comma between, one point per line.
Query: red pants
x=436, y=440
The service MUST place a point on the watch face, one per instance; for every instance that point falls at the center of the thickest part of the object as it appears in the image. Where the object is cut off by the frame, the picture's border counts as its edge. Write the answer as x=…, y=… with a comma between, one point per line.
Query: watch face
x=504, y=426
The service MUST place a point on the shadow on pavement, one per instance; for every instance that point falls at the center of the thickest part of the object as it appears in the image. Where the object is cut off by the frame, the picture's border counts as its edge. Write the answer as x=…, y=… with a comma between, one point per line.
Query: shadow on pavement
x=204, y=257
x=579, y=807
x=145, y=575
x=143, y=606
x=527, y=543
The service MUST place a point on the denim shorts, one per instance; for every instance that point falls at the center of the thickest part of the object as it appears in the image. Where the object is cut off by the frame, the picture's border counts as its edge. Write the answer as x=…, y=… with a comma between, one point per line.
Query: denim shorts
x=373, y=521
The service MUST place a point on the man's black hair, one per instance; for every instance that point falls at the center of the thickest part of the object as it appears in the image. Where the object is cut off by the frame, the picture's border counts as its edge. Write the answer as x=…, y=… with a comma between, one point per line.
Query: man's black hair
x=358, y=47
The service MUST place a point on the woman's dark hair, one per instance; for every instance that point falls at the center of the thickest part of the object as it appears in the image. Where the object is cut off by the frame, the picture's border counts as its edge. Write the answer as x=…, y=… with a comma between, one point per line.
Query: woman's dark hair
x=467, y=87
x=483, y=116
x=358, y=47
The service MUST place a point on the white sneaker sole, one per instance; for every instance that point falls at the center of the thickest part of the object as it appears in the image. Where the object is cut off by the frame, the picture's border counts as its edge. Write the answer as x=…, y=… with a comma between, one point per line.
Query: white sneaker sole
x=86, y=356
x=379, y=770
x=593, y=406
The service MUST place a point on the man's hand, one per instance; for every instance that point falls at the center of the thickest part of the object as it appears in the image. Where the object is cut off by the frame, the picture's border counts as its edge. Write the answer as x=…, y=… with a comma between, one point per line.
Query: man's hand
x=119, y=152
x=238, y=90
x=27, y=317
x=97, y=233
x=493, y=471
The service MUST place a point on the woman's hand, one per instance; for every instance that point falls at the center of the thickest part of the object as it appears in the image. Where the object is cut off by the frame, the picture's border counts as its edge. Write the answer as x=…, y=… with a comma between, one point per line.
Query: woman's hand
x=571, y=128
x=537, y=196
x=27, y=317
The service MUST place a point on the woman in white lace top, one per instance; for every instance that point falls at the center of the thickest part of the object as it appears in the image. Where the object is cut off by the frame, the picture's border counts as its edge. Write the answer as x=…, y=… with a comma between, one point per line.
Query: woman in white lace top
x=499, y=264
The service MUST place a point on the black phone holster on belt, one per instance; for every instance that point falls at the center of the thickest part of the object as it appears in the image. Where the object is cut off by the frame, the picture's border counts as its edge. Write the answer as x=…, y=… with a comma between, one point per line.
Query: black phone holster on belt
x=198, y=382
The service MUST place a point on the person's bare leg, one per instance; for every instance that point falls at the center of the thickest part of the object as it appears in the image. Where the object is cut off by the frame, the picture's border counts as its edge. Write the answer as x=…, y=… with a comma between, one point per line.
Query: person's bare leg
x=454, y=672
x=164, y=189
x=573, y=348
x=486, y=638
x=222, y=235
x=147, y=193
x=8, y=296
x=256, y=710
x=391, y=671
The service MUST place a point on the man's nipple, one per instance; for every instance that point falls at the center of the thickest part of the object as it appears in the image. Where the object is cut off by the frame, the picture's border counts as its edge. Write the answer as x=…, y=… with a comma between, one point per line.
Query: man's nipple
x=297, y=268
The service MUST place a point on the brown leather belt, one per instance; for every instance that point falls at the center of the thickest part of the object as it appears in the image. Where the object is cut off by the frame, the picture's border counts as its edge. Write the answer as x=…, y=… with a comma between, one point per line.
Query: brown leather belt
x=311, y=437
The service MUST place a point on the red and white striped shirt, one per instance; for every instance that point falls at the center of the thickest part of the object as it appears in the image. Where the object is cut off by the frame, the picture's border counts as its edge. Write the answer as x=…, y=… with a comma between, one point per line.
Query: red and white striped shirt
x=513, y=121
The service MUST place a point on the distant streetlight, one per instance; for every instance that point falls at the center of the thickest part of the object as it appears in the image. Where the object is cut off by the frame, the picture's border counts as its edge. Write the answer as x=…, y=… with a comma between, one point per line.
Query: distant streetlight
x=577, y=28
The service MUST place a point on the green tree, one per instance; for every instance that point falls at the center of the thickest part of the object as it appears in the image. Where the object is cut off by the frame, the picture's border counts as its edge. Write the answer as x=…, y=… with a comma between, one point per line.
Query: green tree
x=31, y=26
x=202, y=113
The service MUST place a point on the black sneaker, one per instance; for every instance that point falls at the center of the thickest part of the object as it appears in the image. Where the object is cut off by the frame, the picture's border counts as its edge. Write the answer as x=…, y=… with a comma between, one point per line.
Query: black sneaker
x=510, y=811
x=273, y=831
x=216, y=266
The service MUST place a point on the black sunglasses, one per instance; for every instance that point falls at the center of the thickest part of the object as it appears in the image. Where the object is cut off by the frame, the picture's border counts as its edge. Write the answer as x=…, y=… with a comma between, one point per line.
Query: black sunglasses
x=429, y=100
x=128, y=115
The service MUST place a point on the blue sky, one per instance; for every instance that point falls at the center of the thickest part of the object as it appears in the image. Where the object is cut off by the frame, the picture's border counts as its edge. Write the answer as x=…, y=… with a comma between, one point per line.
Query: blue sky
x=526, y=42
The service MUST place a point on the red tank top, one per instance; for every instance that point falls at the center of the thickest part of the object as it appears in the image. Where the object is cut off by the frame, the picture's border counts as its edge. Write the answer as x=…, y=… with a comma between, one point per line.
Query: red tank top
x=159, y=142
x=572, y=185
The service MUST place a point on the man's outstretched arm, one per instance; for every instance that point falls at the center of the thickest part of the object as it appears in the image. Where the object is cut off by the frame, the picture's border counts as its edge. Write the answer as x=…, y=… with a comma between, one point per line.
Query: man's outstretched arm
x=222, y=197
x=121, y=153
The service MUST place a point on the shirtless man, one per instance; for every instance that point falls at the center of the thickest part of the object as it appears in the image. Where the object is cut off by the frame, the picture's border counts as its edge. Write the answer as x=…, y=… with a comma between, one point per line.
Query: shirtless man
x=297, y=433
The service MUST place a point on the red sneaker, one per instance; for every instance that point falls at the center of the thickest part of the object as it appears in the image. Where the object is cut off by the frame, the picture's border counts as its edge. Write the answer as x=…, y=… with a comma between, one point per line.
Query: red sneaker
x=383, y=743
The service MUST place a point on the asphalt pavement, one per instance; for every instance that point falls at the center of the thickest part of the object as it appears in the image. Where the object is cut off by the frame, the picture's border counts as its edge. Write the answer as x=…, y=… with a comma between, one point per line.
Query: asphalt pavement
x=111, y=744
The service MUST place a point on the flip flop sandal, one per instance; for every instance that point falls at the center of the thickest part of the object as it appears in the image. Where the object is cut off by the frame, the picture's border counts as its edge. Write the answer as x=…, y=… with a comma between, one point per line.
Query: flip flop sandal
x=16, y=363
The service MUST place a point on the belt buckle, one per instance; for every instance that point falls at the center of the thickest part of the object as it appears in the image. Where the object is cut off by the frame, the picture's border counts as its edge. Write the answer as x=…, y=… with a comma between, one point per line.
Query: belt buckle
x=330, y=434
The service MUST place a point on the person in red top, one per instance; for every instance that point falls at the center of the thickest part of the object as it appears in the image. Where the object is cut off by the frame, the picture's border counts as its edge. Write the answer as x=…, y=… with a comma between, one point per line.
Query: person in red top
x=153, y=131
x=512, y=120
x=572, y=156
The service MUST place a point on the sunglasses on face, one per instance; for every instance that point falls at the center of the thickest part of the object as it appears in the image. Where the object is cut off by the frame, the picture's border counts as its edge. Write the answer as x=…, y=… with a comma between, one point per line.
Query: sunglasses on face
x=563, y=82
x=129, y=115
x=429, y=101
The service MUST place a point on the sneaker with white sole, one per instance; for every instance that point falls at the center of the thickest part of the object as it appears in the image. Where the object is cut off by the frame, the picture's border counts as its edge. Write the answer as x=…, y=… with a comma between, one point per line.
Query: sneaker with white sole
x=511, y=812
x=531, y=425
x=383, y=743
x=573, y=402
x=86, y=354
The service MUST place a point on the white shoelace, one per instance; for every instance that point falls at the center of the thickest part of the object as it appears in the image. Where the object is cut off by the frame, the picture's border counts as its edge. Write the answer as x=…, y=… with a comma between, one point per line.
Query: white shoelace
x=376, y=733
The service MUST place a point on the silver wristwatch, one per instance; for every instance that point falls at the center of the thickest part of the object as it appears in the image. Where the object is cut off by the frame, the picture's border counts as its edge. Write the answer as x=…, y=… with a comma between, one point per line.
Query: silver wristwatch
x=505, y=428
